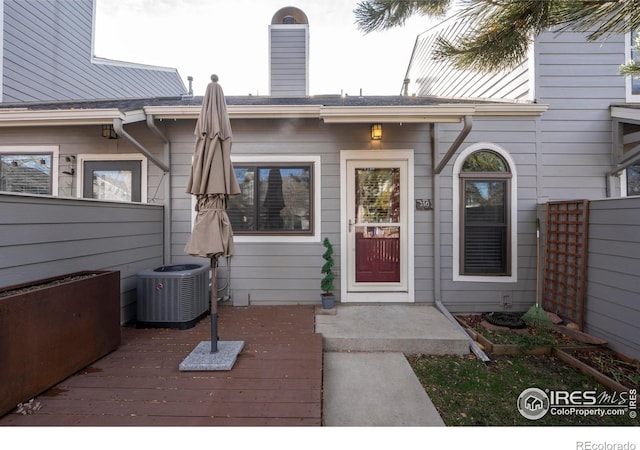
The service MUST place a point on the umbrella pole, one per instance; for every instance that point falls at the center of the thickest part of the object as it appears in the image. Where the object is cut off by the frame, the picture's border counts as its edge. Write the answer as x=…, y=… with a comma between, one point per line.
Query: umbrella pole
x=214, y=306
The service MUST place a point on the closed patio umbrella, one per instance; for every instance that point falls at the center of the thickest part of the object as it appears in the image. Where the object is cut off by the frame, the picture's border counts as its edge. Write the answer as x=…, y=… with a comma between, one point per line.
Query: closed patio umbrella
x=212, y=180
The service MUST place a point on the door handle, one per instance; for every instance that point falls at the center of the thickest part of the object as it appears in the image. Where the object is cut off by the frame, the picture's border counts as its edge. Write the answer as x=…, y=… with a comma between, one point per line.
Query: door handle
x=350, y=225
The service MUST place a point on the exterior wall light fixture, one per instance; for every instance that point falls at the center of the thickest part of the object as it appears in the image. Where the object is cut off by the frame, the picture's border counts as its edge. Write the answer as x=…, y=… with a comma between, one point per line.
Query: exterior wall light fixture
x=376, y=131
x=108, y=132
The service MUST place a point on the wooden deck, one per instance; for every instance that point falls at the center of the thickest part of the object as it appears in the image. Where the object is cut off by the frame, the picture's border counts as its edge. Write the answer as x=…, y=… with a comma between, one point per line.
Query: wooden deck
x=276, y=381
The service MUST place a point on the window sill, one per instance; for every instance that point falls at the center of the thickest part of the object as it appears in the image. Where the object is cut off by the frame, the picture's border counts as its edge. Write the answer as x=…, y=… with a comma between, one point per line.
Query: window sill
x=269, y=239
x=485, y=279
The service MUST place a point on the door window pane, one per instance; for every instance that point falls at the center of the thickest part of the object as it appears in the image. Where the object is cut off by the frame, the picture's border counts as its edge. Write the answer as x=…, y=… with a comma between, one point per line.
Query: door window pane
x=114, y=185
x=113, y=180
x=377, y=248
x=377, y=195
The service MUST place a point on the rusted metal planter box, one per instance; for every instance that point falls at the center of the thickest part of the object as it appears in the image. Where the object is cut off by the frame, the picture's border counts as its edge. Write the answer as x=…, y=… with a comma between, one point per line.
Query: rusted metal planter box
x=52, y=328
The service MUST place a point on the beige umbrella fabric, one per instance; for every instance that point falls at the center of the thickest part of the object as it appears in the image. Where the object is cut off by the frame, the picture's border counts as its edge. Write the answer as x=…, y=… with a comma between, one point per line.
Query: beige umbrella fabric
x=212, y=178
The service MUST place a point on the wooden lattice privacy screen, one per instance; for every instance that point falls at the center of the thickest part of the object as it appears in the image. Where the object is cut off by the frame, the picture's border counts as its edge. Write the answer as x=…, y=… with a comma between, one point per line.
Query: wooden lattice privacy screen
x=565, y=262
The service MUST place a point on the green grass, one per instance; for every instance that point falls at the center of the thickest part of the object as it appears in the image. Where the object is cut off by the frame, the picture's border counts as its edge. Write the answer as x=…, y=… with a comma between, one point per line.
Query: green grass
x=541, y=338
x=468, y=392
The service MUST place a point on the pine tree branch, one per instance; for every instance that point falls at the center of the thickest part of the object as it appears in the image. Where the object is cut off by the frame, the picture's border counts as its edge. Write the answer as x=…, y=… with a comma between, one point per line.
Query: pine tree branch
x=377, y=15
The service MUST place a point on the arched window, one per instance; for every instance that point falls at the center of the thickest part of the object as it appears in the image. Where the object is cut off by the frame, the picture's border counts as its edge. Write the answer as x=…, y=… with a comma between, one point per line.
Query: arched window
x=484, y=214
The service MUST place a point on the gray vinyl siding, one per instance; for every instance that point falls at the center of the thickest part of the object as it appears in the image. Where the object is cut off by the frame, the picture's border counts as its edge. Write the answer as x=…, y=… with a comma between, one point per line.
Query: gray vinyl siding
x=612, y=307
x=42, y=237
x=439, y=78
x=579, y=80
x=74, y=140
x=289, y=273
x=47, y=55
x=288, y=60
x=518, y=137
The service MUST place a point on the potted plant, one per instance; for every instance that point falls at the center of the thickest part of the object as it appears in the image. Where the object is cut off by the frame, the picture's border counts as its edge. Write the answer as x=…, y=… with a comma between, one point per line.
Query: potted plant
x=327, y=281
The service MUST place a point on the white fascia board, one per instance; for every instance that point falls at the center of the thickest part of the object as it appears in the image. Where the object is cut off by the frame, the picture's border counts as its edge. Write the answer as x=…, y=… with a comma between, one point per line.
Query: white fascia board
x=173, y=112
x=432, y=114
x=239, y=111
x=137, y=115
x=357, y=114
x=620, y=112
x=26, y=117
x=510, y=109
x=395, y=114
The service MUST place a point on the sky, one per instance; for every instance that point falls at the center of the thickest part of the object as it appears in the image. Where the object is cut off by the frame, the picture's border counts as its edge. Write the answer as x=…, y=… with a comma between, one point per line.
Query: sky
x=230, y=38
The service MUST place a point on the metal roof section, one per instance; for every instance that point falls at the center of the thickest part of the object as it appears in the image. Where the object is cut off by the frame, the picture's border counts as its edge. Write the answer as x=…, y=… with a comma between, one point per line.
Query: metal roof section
x=427, y=75
x=47, y=49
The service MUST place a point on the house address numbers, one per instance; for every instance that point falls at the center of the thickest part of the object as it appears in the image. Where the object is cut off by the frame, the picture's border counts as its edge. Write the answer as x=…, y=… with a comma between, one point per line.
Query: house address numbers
x=424, y=204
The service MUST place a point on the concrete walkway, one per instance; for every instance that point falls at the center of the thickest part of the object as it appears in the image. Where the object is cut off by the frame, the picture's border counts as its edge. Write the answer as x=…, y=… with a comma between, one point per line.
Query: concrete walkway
x=367, y=380
x=374, y=389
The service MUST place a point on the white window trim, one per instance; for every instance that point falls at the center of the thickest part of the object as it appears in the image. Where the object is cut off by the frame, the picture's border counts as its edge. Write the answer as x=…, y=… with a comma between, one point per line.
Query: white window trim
x=623, y=183
x=113, y=157
x=631, y=98
x=315, y=159
x=34, y=149
x=457, y=167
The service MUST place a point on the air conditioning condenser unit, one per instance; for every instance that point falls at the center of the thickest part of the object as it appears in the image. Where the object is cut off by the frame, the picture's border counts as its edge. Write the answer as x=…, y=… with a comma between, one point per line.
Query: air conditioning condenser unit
x=173, y=296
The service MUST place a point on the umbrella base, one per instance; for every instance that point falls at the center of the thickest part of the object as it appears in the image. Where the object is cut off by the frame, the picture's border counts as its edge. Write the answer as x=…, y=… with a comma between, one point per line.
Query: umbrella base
x=201, y=358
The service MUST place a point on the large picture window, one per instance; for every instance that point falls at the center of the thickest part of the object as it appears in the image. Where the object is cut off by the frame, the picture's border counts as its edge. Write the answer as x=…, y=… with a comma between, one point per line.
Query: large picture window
x=484, y=215
x=275, y=199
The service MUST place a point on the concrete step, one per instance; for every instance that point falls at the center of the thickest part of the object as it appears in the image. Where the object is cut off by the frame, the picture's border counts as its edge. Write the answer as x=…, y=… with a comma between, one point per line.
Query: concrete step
x=406, y=328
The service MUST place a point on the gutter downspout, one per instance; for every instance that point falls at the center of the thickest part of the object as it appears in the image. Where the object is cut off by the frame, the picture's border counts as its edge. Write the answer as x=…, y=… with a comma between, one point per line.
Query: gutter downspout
x=119, y=129
x=117, y=126
x=151, y=124
x=468, y=124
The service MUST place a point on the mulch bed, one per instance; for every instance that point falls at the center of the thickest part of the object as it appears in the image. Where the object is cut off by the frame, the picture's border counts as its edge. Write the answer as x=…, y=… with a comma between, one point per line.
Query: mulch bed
x=617, y=367
x=480, y=325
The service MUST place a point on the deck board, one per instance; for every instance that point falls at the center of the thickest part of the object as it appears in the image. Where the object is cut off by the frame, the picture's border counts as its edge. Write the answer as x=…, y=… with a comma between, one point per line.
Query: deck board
x=276, y=380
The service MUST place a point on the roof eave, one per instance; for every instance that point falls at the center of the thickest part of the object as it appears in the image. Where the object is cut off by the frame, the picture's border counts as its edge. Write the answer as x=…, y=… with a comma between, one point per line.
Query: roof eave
x=357, y=114
x=23, y=117
x=442, y=113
